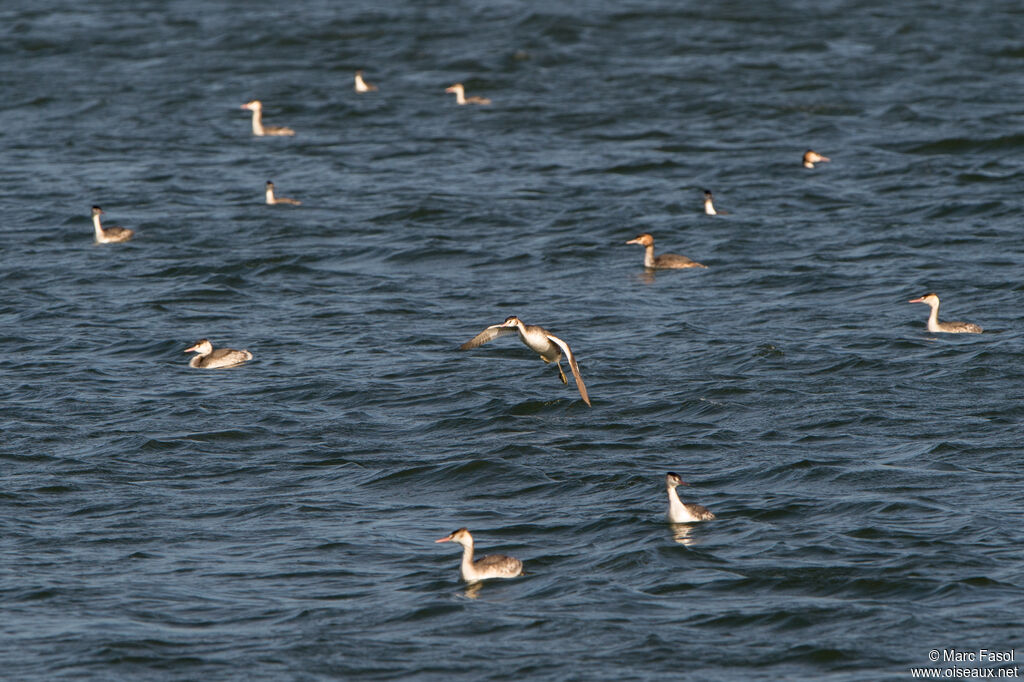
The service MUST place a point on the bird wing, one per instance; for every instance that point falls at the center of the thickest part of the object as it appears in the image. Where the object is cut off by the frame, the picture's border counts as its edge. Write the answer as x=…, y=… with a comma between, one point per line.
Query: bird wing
x=699, y=511
x=969, y=327
x=499, y=562
x=489, y=334
x=572, y=365
x=676, y=259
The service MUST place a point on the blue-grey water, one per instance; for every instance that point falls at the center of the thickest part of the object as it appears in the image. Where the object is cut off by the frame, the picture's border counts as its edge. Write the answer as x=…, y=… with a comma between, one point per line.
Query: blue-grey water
x=276, y=521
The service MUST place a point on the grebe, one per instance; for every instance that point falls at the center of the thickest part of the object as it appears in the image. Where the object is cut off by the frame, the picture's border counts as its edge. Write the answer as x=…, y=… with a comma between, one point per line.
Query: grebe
x=111, y=234
x=933, y=319
x=678, y=511
x=812, y=157
x=271, y=199
x=540, y=341
x=460, y=95
x=208, y=358
x=491, y=566
x=709, y=205
x=361, y=85
x=665, y=261
x=258, y=129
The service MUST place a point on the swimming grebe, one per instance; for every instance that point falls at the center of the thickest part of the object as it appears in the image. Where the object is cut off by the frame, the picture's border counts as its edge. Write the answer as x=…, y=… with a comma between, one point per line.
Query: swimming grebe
x=678, y=511
x=540, y=341
x=709, y=205
x=812, y=157
x=271, y=199
x=491, y=566
x=208, y=358
x=258, y=129
x=460, y=95
x=665, y=261
x=111, y=234
x=933, y=319
x=361, y=85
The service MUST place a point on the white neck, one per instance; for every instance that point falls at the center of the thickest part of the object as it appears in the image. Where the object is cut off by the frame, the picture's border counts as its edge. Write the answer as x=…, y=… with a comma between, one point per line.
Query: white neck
x=649, y=256
x=709, y=208
x=676, y=510
x=96, y=224
x=460, y=96
x=360, y=84
x=933, y=318
x=270, y=195
x=468, y=571
x=257, y=122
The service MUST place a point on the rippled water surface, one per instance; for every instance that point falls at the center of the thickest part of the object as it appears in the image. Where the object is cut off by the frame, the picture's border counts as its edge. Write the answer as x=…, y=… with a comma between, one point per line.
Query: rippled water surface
x=276, y=521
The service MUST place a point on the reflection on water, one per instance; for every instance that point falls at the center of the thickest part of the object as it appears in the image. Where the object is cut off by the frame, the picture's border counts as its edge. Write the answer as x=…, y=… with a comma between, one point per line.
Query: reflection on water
x=681, y=533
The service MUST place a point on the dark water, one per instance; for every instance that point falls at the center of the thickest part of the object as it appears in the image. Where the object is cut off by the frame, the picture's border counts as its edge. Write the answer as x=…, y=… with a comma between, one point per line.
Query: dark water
x=277, y=521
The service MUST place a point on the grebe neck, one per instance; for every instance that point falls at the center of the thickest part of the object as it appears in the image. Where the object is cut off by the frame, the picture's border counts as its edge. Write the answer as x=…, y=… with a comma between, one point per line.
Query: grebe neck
x=649, y=256
x=933, y=318
x=257, y=122
x=467, y=561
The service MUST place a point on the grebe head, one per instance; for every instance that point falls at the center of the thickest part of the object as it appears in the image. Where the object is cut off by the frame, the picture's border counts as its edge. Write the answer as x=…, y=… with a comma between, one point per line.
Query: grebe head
x=643, y=240
x=253, y=105
x=672, y=479
x=511, y=321
x=455, y=88
x=812, y=157
x=270, y=185
x=707, y=194
x=929, y=298
x=460, y=536
x=202, y=346
x=96, y=210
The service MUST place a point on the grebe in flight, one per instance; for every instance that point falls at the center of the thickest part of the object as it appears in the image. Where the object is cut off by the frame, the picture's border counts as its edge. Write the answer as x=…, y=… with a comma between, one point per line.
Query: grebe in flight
x=933, y=319
x=812, y=157
x=460, y=95
x=539, y=340
x=361, y=85
x=113, y=233
x=665, y=261
x=208, y=358
x=258, y=129
x=678, y=511
x=271, y=199
x=491, y=566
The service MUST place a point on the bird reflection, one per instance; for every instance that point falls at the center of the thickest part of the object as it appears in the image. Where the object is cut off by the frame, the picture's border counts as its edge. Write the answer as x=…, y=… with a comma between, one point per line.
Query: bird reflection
x=681, y=533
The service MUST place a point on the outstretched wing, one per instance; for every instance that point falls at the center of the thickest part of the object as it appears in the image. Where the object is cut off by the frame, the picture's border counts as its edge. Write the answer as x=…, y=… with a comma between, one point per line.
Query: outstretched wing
x=572, y=365
x=489, y=334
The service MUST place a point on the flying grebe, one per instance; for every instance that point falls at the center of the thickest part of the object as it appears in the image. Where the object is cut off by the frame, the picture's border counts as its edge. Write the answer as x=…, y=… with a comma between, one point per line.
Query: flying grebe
x=679, y=512
x=208, y=358
x=540, y=341
x=812, y=157
x=491, y=566
x=112, y=234
x=258, y=129
x=933, y=319
x=271, y=199
x=460, y=95
x=361, y=85
x=709, y=205
x=666, y=261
